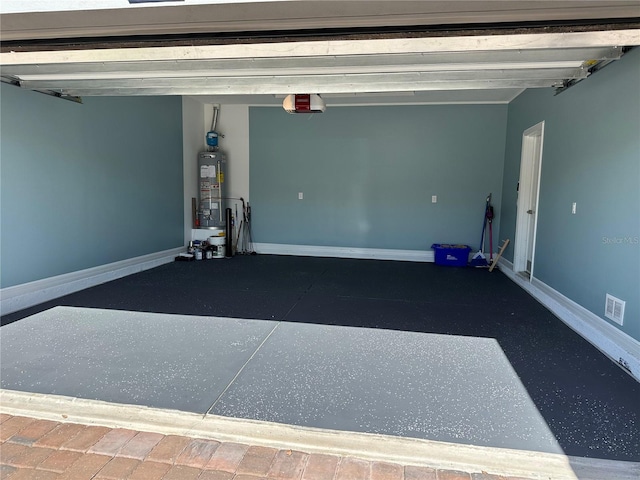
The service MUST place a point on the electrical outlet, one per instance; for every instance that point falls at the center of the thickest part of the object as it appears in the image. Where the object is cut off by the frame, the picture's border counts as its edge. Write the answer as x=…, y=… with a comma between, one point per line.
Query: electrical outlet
x=300, y=195
x=573, y=208
x=434, y=199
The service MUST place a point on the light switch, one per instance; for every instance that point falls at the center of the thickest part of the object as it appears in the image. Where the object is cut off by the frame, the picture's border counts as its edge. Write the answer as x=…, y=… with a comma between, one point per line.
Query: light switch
x=573, y=208
x=434, y=199
x=300, y=195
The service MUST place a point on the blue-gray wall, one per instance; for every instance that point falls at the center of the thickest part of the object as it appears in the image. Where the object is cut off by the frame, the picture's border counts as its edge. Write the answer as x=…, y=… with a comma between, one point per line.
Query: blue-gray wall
x=368, y=174
x=85, y=185
x=592, y=157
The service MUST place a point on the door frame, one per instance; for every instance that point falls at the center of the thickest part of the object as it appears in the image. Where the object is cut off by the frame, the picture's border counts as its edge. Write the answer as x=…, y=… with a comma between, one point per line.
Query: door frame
x=527, y=224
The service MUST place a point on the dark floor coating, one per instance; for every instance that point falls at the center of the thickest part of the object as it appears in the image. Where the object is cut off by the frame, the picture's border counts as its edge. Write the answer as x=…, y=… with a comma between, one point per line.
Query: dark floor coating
x=381, y=280
x=588, y=402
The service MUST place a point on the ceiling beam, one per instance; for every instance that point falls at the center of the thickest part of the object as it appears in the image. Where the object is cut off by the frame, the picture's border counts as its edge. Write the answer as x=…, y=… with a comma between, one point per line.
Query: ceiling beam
x=508, y=59
x=296, y=16
x=326, y=66
x=315, y=84
x=489, y=43
x=346, y=87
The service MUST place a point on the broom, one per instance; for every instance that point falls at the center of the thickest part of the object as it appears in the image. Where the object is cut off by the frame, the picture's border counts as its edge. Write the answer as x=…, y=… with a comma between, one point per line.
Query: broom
x=479, y=260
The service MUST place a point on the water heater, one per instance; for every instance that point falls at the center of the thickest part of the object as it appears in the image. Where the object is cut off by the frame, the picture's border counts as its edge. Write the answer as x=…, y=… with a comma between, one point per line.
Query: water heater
x=211, y=185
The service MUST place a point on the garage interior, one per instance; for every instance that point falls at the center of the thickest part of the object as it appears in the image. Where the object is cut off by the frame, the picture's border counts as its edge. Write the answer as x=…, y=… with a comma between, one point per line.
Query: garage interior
x=429, y=107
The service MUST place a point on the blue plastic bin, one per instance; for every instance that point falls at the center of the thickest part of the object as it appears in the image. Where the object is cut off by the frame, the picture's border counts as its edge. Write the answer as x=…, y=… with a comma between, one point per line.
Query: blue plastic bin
x=451, y=255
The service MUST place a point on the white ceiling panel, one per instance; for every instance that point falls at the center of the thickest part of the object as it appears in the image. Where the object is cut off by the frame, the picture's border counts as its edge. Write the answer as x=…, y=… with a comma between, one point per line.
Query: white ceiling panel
x=491, y=67
x=37, y=19
x=325, y=67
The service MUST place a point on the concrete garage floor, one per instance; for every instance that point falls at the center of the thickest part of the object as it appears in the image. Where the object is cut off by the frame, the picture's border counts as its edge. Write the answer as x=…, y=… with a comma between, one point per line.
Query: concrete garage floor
x=411, y=350
x=431, y=386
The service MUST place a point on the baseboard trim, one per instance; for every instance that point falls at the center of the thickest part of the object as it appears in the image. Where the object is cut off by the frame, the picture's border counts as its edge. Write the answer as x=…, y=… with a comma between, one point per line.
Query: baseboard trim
x=344, y=252
x=372, y=447
x=33, y=293
x=614, y=343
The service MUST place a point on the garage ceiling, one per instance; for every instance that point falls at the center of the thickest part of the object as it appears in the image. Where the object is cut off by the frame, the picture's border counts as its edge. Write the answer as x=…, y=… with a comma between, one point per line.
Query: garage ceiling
x=255, y=52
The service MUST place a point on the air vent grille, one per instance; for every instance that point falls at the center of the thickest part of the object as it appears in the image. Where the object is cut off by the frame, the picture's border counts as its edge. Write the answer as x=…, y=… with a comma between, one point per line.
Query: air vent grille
x=614, y=309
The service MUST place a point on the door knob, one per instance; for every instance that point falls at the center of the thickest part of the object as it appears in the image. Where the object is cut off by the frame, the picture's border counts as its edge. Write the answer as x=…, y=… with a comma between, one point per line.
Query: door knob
x=530, y=212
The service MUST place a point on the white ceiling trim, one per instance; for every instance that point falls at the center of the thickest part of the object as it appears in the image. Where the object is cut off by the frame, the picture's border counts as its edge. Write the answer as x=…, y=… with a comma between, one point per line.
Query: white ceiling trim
x=389, y=62
x=279, y=86
x=573, y=68
x=433, y=97
x=483, y=43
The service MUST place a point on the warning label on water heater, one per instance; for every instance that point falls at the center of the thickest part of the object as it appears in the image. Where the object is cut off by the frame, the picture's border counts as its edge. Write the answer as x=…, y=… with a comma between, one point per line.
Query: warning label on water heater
x=207, y=171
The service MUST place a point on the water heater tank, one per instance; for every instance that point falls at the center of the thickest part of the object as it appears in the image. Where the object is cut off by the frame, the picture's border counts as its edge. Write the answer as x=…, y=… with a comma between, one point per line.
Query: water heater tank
x=211, y=188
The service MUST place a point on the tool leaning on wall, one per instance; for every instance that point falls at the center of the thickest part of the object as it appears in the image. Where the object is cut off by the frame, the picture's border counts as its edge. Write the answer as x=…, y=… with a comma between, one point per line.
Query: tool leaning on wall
x=244, y=238
x=479, y=260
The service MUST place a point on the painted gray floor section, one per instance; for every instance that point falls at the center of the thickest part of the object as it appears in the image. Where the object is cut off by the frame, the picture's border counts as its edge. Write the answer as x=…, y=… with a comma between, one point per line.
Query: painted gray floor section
x=165, y=361
x=438, y=387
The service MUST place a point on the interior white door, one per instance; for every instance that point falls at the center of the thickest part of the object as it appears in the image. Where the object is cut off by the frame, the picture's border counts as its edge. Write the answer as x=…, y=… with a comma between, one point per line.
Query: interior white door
x=527, y=201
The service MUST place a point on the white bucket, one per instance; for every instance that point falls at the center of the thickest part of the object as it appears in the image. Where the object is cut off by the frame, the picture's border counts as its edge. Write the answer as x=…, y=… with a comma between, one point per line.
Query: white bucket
x=214, y=239
x=218, y=246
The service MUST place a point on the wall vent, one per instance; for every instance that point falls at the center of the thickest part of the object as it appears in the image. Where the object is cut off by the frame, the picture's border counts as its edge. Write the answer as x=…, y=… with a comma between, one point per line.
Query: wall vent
x=614, y=309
